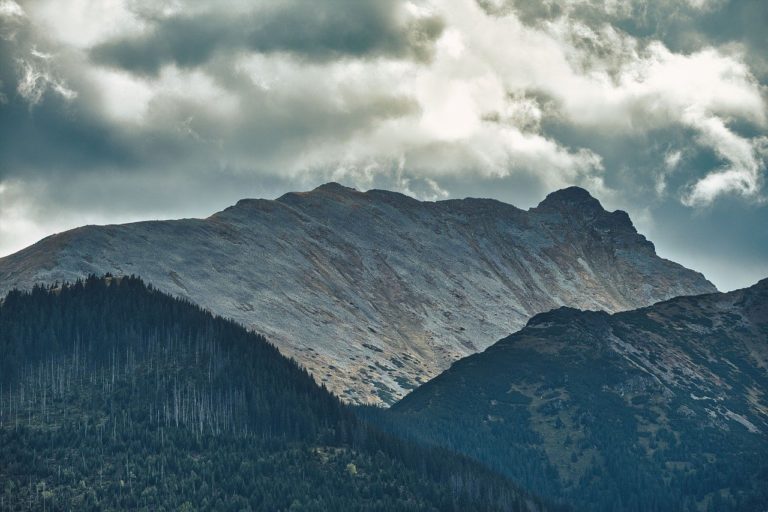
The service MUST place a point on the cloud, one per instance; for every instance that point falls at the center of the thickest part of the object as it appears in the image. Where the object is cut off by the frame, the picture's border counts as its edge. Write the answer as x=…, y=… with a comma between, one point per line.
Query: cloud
x=316, y=31
x=745, y=160
x=704, y=91
x=11, y=10
x=36, y=78
x=234, y=90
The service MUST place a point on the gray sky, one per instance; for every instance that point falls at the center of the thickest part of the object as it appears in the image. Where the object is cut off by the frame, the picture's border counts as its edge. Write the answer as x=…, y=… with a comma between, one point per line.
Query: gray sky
x=118, y=110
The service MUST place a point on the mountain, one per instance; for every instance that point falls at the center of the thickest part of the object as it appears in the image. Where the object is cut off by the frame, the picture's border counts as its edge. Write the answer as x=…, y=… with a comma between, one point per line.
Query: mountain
x=660, y=408
x=114, y=396
x=376, y=292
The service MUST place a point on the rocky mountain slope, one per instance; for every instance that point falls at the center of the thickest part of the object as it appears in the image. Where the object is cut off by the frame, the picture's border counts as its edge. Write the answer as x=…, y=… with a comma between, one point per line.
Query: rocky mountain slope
x=376, y=292
x=661, y=408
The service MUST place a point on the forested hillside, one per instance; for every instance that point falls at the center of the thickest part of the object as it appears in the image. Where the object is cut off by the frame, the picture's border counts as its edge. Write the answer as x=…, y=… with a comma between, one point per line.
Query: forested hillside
x=116, y=396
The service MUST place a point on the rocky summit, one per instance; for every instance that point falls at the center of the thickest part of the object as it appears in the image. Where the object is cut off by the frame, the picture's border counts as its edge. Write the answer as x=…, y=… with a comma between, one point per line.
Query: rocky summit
x=376, y=292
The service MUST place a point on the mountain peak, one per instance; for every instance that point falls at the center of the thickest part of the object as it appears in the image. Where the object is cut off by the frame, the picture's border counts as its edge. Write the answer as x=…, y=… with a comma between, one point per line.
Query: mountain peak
x=335, y=188
x=564, y=314
x=570, y=198
x=331, y=190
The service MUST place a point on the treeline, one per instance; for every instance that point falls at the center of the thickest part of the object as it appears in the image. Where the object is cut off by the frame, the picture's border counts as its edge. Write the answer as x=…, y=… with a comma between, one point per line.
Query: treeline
x=116, y=396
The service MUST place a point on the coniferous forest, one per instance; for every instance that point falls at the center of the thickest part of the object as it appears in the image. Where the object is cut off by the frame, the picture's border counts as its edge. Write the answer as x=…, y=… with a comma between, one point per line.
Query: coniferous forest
x=116, y=396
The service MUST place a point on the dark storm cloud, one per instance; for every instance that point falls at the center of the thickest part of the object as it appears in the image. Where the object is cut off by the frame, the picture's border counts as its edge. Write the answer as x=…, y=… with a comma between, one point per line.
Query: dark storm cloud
x=310, y=30
x=528, y=12
x=641, y=18
x=44, y=128
x=59, y=129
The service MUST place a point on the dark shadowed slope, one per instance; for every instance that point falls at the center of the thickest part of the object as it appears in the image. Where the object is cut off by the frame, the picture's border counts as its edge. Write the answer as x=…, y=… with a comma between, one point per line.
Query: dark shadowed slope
x=376, y=292
x=662, y=408
x=117, y=397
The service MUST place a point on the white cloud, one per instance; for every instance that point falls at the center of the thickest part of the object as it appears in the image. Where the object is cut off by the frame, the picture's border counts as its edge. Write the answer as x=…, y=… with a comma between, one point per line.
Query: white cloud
x=10, y=9
x=657, y=87
x=21, y=225
x=81, y=24
x=435, y=116
x=448, y=131
x=672, y=160
x=704, y=5
x=636, y=91
x=125, y=97
x=745, y=162
x=467, y=111
x=37, y=77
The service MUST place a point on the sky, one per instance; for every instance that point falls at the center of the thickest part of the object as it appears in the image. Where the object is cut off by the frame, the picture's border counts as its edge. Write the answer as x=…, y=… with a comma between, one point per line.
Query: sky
x=122, y=110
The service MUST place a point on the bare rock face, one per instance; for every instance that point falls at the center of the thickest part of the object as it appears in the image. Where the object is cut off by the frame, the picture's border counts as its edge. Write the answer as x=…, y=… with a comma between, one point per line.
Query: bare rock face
x=376, y=292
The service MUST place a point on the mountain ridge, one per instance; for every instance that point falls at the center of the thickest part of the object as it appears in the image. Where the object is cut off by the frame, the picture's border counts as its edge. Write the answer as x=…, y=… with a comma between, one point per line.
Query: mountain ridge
x=375, y=292
x=672, y=395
